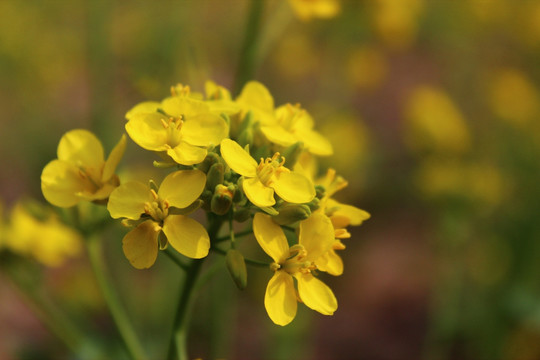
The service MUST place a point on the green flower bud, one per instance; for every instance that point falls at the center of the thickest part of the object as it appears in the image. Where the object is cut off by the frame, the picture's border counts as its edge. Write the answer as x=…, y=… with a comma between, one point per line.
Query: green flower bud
x=242, y=215
x=210, y=159
x=215, y=176
x=291, y=213
x=314, y=204
x=245, y=137
x=222, y=200
x=320, y=191
x=237, y=268
x=292, y=153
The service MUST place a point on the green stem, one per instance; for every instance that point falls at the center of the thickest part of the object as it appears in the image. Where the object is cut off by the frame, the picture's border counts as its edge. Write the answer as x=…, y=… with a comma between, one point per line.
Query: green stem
x=171, y=255
x=248, y=56
x=111, y=297
x=237, y=235
x=248, y=261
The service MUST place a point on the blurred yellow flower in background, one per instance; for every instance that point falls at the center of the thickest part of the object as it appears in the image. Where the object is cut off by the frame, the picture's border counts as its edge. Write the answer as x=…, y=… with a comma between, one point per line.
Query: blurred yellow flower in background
x=47, y=240
x=81, y=171
x=366, y=67
x=309, y=9
x=396, y=22
x=433, y=123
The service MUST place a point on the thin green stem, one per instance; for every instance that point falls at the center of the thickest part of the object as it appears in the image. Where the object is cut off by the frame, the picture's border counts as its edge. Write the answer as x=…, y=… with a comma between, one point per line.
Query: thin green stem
x=231, y=231
x=171, y=255
x=248, y=261
x=120, y=317
x=248, y=56
x=237, y=235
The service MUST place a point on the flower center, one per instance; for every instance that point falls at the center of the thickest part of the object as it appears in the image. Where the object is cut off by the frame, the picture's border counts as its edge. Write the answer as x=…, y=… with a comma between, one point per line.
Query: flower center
x=296, y=262
x=90, y=177
x=269, y=167
x=173, y=126
x=158, y=209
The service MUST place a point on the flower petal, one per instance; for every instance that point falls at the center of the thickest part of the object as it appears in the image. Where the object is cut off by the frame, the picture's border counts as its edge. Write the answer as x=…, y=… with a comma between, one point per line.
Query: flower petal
x=330, y=262
x=257, y=193
x=205, y=129
x=61, y=182
x=346, y=215
x=293, y=187
x=280, y=298
x=256, y=98
x=316, y=235
x=238, y=159
x=182, y=106
x=145, y=107
x=270, y=237
x=316, y=294
x=187, y=154
x=82, y=148
x=278, y=135
x=114, y=159
x=140, y=245
x=128, y=200
x=315, y=143
x=182, y=188
x=148, y=131
x=186, y=236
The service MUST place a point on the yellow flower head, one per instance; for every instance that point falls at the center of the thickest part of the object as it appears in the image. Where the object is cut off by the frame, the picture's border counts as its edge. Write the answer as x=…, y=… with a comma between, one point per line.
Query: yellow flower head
x=134, y=200
x=49, y=241
x=294, y=124
x=309, y=9
x=256, y=98
x=81, y=172
x=269, y=176
x=183, y=128
x=315, y=238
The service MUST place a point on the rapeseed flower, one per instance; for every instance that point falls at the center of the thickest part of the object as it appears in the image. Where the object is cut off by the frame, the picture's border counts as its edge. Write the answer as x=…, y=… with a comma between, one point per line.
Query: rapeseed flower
x=316, y=236
x=309, y=9
x=181, y=127
x=159, y=212
x=269, y=176
x=81, y=172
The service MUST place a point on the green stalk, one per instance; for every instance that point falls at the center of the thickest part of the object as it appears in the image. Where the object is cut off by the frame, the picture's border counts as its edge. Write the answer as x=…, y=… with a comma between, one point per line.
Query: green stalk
x=248, y=55
x=118, y=313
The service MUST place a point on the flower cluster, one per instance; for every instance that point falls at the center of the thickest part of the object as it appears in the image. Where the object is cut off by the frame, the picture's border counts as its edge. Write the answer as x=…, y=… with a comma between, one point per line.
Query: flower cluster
x=237, y=159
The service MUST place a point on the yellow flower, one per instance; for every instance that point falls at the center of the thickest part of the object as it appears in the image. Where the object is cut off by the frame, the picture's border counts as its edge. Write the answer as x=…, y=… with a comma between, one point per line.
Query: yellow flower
x=49, y=241
x=315, y=238
x=256, y=98
x=183, y=128
x=341, y=216
x=178, y=190
x=219, y=99
x=294, y=124
x=80, y=172
x=261, y=180
x=308, y=9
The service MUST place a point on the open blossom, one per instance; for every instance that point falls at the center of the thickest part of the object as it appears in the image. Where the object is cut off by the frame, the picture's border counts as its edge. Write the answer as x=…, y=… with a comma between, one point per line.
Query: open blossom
x=81, y=172
x=269, y=176
x=134, y=200
x=299, y=261
x=180, y=126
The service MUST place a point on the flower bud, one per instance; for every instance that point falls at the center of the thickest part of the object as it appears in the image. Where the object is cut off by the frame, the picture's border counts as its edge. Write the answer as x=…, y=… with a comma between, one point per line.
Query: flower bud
x=222, y=200
x=215, y=176
x=242, y=215
x=314, y=204
x=291, y=213
x=237, y=268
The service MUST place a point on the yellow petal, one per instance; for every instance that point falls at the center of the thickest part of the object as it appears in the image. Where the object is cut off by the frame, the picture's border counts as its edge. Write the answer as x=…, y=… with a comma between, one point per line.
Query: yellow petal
x=330, y=262
x=185, y=107
x=82, y=148
x=205, y=130
x=128, y=200
x=315, y=294
x=182, y=188
x=187, y=154
x=238, y=159
x=347, y=214
x=280, y=298
x=148, y=131
x=114, y=159
x=256, y=95
x=315, y=143
x=278, y=135
x=146, y=107
x=186, y=236
x=140, y=245
x=61, y=182
x=257, y=193
x=293, y=187
x=270, y=237
x=316, y=235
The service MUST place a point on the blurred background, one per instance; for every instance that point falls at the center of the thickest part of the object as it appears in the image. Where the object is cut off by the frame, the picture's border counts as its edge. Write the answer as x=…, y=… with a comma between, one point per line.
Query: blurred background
x=432, y=107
